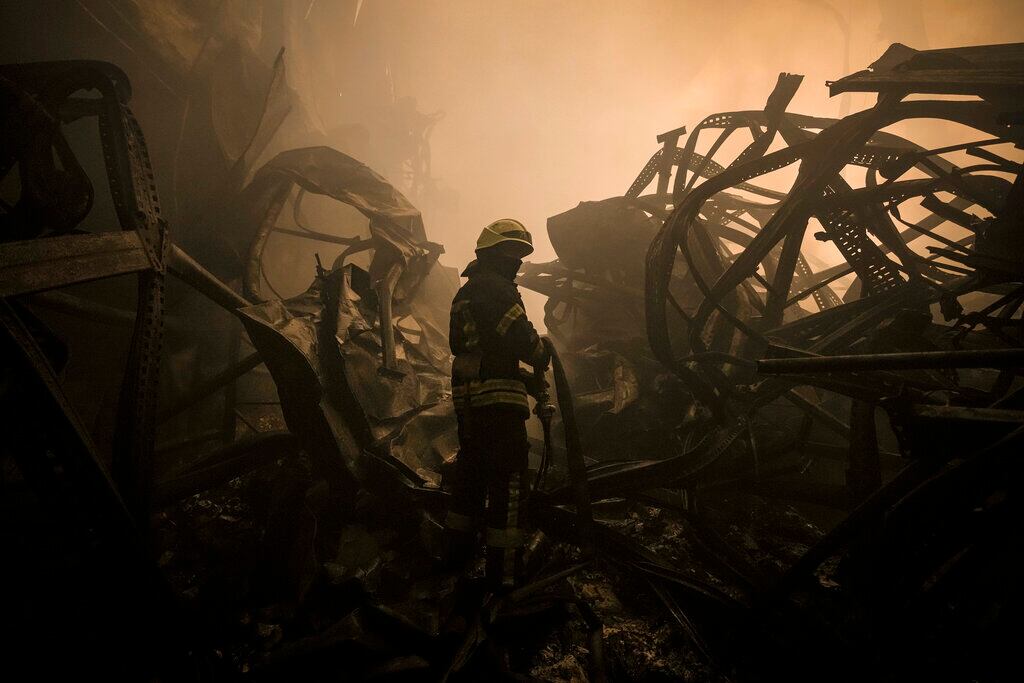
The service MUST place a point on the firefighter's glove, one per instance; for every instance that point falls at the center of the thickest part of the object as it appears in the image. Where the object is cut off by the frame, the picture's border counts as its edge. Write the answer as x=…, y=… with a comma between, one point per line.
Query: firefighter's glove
x=536, y=385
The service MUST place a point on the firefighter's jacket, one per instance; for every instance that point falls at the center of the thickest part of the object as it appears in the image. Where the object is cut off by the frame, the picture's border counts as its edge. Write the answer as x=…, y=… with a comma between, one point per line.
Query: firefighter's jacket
x=489, y=336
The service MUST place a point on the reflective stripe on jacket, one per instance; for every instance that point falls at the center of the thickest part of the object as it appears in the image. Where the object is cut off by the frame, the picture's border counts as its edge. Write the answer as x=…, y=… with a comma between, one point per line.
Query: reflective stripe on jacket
x=490, y=392
x=489, y=336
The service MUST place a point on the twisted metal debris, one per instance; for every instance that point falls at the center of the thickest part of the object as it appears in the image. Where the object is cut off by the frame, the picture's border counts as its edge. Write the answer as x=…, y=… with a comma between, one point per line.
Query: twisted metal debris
x=713, y=428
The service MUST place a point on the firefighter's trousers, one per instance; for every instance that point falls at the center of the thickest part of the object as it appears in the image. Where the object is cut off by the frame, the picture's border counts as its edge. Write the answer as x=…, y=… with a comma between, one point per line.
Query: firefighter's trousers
x=489, y=487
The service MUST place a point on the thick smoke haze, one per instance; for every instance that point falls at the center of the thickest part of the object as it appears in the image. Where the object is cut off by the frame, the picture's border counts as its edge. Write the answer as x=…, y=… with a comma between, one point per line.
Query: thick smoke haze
x=545, y=104
x=551, y=103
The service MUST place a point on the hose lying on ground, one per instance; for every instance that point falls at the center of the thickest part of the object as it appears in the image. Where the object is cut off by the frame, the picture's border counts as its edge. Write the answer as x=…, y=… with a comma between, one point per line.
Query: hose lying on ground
x=573, y=446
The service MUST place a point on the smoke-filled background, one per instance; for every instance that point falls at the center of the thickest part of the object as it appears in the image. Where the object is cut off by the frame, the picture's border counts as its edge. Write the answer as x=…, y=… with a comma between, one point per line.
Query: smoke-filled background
x=476, y=110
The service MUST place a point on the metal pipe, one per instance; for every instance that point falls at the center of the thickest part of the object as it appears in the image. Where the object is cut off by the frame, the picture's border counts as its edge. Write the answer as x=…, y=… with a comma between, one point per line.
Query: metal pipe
x=915, y=360
x=385, y=292
x=318, y=236
x=186, y=269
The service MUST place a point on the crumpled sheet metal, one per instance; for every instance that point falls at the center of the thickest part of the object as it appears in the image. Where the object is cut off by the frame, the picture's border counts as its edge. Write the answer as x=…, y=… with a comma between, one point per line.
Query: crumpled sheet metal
x=396, y=226
x=606, y=235
x=332, y=393
x=324, y=346
x=595, y=287
x=287, y=341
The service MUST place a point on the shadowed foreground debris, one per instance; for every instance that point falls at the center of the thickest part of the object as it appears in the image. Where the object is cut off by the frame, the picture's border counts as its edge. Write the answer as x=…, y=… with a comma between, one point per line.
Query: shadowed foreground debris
x=798, y=466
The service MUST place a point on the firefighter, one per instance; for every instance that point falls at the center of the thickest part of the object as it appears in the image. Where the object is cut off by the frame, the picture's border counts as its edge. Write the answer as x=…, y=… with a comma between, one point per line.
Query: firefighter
x=490, y=335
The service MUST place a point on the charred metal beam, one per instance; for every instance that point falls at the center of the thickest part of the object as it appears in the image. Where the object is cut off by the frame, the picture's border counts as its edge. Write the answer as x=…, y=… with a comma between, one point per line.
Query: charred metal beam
x=188, y=270
x=40, y=264
x=933, y=81
x=967, y=414
x=916, y=360
x=669, y=140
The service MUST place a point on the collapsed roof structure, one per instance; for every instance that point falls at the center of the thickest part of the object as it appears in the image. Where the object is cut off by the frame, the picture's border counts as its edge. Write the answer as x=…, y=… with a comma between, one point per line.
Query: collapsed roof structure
x=744, y=513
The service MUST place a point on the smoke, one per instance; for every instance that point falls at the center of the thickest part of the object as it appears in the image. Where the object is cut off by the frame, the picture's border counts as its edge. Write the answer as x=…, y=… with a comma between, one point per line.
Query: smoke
x=545, y=104
x=551, y=103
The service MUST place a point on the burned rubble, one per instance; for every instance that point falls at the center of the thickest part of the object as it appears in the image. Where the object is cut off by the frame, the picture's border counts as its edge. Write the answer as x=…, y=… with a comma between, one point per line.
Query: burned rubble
x=766, y=464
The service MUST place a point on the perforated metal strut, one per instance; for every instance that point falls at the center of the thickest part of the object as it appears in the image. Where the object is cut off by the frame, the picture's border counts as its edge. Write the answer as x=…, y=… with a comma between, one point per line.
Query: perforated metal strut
x=133, y=190
x=139, y=248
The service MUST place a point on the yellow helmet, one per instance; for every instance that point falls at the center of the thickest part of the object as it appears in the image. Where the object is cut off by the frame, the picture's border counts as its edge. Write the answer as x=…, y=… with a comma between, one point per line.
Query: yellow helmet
x=506, y=230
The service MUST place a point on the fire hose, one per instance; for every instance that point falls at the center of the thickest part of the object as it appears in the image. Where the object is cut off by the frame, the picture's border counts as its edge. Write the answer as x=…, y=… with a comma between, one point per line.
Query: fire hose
x=573, y=447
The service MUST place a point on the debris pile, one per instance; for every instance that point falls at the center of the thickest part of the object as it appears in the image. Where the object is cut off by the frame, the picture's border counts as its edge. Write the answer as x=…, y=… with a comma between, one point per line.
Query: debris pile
x=745, y=511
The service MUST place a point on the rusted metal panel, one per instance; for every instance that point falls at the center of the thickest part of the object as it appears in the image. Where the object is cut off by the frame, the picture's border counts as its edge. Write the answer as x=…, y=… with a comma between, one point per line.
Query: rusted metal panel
x=38, y=265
